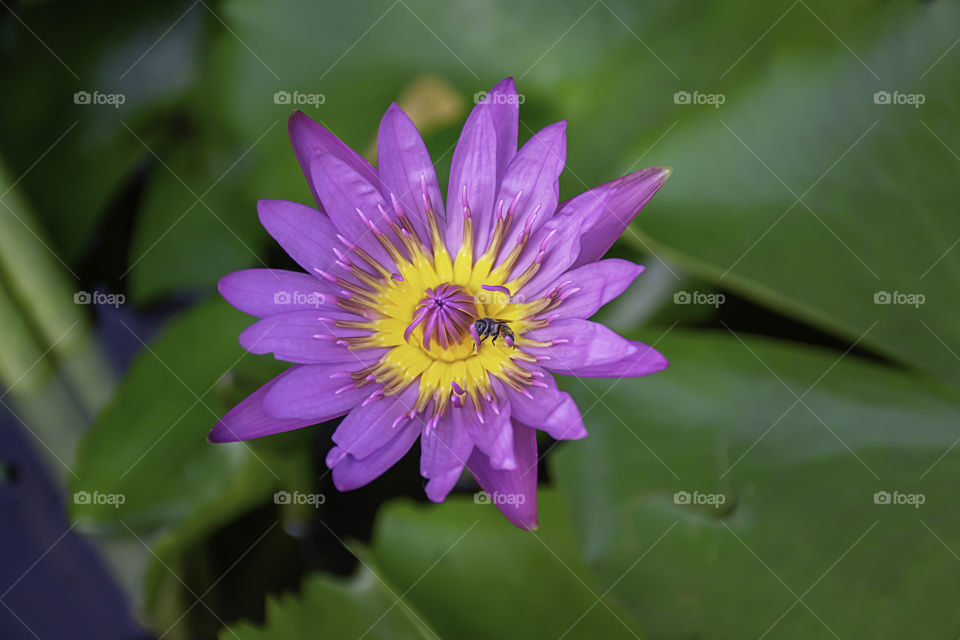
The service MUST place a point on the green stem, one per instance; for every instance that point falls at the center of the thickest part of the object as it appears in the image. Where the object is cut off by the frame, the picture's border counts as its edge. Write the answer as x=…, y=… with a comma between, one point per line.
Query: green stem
x=40, y=287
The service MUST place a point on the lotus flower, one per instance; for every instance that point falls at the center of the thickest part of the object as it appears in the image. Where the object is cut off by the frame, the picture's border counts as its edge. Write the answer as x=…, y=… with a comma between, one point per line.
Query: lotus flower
x=443, y=321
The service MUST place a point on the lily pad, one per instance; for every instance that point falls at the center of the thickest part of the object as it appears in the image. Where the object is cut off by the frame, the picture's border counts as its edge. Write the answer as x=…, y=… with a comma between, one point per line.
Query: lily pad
x=711, y=497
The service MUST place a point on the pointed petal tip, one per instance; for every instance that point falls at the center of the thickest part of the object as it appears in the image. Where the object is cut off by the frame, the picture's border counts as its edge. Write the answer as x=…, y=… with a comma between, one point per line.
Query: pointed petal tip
x=531, y=524
x=661, y=177
x=553, y=130
x=433, y=495
x=523, y=516
x=575, y=434
x=334, y=456
x=505, y=86
x=263, y=210
x=295, y=121
x=220, y=434
x=224, y=283
x=655, y=177
x=224, y=278
x=649, y=175
x=392, y=112
x=665, y=363
x=656, y=362
x=341, y=485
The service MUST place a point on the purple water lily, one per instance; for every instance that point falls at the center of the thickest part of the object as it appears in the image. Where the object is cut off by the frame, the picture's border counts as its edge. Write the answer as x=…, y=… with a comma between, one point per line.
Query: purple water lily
x=444, y=323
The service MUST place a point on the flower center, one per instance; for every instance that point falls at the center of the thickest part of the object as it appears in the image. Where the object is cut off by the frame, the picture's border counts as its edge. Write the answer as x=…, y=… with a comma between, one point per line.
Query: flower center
x=425, y=312
x=446, y=313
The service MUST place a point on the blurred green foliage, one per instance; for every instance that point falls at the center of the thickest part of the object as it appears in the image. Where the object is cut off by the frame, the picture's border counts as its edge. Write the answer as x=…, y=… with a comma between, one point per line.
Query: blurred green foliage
x=800, y=445
x=455, y=571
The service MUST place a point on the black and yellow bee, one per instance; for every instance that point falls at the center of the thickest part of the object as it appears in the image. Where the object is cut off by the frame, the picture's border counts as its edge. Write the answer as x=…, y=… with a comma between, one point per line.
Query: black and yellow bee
x=491, y=328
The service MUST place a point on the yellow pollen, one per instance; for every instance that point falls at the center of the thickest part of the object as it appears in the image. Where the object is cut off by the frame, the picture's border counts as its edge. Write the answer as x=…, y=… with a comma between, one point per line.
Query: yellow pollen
x=393, y=302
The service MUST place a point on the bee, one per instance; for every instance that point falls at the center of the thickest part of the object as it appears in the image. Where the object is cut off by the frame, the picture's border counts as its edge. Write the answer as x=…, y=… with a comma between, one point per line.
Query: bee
x=491, y=328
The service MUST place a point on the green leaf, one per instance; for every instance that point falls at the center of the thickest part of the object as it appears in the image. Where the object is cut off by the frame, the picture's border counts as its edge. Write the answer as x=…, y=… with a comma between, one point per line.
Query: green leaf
x=804, y=194
x=147, y=455
x=196, y=225
x=781, y=493
x=434, y=567
x=326, y=607
x=71, y=155
x=461, y=560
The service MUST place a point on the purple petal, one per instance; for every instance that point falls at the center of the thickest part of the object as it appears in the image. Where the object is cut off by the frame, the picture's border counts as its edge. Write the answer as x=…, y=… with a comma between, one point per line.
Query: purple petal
x=587, y=288
x=351, y=473
x=515, y=491
x=439, y=488
x=308, y=337
x=248, y=420
x=305, y=234
x=642, y=360
x=493, y=436
x=474, y=168
x=265, y=292
x=344, y=192
x=444, y=447
x=547, y=408
x=555, y=246
x=315, y=391
x=308, y=138
x=607, y=210
x=534, y=176
x=589, y=350
x=503, y=105
x=401, y=159
x=369, y=427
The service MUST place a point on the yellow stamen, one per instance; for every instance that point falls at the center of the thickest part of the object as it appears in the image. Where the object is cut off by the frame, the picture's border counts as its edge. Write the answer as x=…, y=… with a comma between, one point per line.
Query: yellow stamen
x=390, y=300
